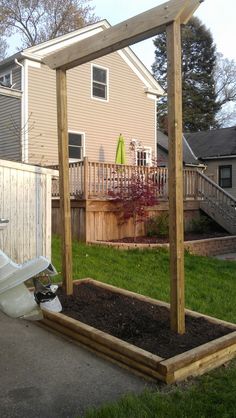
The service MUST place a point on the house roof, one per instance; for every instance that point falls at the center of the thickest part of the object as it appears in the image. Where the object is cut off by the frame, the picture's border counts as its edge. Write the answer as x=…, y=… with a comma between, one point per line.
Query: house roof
x=189, y=157
x=213, y=144
x=40, y=51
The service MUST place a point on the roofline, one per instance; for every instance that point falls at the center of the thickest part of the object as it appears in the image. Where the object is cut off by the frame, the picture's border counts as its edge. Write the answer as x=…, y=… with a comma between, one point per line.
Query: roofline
x=30, y=51
x=101, y=23
x=190, y=149
x=219, y=157
x=31, y=54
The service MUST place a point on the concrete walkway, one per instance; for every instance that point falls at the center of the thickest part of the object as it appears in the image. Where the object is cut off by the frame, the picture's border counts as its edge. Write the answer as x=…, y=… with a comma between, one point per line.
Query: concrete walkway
x=228, y=257
x=43, y=375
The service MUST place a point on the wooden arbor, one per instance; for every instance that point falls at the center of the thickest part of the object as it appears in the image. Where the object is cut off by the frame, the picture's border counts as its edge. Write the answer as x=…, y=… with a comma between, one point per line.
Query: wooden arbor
x=168, y=16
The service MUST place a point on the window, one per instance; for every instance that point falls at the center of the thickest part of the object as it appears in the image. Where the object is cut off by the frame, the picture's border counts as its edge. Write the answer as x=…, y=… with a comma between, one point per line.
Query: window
x=76, y=146
x=99, y=83
x=5, y=79
x=143, y=156
x=225, y=176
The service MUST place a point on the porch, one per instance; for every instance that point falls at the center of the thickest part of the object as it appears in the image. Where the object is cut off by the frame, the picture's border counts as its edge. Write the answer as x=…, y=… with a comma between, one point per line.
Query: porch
x=94, y=186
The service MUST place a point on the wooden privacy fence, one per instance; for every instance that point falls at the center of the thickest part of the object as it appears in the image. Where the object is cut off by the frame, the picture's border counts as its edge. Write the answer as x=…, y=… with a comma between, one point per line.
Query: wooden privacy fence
x=91, y=180
x=25, y=199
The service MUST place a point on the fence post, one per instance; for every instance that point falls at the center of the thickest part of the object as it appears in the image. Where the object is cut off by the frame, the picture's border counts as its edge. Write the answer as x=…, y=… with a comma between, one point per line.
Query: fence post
x=196, y=185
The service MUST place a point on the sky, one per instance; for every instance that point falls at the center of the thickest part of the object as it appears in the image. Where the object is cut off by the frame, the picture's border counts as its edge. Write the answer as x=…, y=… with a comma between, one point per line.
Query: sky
x=219, y=16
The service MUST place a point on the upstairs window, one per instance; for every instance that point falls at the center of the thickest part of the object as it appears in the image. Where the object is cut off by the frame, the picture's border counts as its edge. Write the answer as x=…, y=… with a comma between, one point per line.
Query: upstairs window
x=99, y=83
x=76, y=146
x=5, y=80
x=225, y=176
x=143, y=157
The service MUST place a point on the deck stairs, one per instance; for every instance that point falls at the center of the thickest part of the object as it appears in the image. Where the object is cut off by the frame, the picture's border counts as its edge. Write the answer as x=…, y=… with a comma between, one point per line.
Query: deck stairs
x=216, y=202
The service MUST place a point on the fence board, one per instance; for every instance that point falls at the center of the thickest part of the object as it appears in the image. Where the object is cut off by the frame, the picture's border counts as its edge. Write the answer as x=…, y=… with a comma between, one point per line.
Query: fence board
x=25, y=199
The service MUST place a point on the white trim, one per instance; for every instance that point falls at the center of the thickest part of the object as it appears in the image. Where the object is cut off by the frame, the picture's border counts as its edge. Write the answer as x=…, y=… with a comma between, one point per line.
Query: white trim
x=155, y=129
x=190, y=149
x=74, y=160
x=149, y=154
x=25, y=112
x=5, y=91
x=141, y=71
x=34, y=64
x=68, y=38
x=219, y=157
x=107, y=85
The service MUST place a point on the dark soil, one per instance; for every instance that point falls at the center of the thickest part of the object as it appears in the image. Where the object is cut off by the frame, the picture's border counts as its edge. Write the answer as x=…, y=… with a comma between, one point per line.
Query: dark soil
x=188, y=236
x=137, y=322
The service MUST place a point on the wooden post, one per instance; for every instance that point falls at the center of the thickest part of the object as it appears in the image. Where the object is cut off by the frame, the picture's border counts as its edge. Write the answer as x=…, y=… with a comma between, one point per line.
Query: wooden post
x=86, y=174
x=176, y=230
x=86, y=191
x=63, y=155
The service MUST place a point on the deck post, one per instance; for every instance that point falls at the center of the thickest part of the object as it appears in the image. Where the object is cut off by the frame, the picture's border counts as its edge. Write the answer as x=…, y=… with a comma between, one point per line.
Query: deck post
x=63, y=155
x=176, y=230
x=86, y=173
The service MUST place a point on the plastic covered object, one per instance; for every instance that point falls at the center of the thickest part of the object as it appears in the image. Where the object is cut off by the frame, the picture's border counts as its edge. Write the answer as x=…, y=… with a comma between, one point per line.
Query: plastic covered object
x=19, y=301
x=15, y=299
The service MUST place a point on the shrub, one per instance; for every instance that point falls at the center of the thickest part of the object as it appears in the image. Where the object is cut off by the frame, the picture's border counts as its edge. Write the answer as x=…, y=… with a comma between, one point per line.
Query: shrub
x=201, y=224
x=158, y=225
x=134, y=199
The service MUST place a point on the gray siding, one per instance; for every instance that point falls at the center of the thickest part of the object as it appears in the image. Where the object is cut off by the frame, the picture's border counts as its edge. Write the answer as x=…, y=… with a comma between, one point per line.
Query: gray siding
x=16, y=78
x=10, y=132
x=213, y=172
x=129, y=111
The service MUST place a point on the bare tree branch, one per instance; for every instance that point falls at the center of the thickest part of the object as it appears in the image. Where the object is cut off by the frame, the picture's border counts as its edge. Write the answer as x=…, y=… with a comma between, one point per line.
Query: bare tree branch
x=41, y=20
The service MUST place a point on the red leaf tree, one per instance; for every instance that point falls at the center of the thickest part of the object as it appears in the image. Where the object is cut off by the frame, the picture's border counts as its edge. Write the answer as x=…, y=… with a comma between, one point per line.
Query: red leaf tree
x=134, y=198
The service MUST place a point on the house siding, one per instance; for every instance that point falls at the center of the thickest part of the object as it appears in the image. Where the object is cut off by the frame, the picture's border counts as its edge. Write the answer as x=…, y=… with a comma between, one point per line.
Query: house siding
x=129, y=111
x=16, y=78
x=213, y=172
x=10, y=132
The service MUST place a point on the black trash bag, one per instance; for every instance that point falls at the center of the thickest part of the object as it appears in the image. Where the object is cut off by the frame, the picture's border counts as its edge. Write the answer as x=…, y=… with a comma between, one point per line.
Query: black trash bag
x=42, y=293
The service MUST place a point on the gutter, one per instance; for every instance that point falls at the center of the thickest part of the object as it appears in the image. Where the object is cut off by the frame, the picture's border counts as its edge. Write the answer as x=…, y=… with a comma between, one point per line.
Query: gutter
x=218, y=157
x=24, y=110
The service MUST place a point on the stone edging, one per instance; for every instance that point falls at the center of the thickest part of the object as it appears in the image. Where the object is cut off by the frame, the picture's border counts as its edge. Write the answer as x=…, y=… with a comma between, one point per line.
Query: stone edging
x=205, y=247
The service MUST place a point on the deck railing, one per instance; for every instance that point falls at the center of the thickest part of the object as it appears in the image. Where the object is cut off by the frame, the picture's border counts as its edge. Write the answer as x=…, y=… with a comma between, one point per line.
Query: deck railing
x=216, y=202
x=98, y=180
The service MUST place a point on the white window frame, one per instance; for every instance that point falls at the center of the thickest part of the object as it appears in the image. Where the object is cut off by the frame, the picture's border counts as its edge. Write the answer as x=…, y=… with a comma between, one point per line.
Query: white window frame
x=75, y=160
x=107, y=85
x=4, y=74
x=148, y=151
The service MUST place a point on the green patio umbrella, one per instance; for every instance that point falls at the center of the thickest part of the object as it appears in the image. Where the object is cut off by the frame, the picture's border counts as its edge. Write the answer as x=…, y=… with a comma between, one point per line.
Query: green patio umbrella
x=120, y=151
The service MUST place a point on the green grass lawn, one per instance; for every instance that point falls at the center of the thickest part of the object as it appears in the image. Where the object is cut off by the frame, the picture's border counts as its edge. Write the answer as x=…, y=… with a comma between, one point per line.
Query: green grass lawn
x=210, y=289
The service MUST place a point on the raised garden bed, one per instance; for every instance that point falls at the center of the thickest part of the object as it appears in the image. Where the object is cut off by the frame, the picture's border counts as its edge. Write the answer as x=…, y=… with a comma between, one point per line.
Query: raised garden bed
x=207, y=246
x=133, y=330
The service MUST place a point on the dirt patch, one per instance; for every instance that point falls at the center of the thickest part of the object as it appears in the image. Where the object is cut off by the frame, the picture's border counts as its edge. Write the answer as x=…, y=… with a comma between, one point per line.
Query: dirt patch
x=190, y=236
x=137, y=322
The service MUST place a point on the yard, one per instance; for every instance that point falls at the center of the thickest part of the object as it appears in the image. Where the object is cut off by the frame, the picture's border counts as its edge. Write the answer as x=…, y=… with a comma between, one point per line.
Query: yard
x=210, y=289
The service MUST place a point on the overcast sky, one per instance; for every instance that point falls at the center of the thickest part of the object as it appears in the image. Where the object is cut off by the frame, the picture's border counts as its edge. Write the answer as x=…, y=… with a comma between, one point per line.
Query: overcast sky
x=218, y=15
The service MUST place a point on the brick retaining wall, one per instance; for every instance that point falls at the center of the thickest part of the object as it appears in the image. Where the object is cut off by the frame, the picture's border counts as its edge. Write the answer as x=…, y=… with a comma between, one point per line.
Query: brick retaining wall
x=205, y=247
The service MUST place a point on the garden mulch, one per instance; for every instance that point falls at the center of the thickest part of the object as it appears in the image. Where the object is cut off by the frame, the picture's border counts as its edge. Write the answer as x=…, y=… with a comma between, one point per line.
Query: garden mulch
x=158, y=239
x=140, y=323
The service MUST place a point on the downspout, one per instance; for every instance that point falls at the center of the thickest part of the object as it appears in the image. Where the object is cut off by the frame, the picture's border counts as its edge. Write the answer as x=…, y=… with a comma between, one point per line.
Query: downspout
x=24, y=156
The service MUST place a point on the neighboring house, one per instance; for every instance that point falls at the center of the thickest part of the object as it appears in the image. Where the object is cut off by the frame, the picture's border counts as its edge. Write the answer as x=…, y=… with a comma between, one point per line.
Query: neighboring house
x=189, y=158
x=10, y=123
x=217, y=150
x=111, y=95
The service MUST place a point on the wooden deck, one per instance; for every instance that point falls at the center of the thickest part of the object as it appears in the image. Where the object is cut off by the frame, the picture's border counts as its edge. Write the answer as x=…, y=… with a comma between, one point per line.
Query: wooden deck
x=99, y=180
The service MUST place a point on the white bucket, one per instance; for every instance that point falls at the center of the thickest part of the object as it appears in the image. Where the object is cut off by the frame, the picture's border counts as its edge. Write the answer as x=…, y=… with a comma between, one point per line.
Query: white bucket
x=53, y=305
